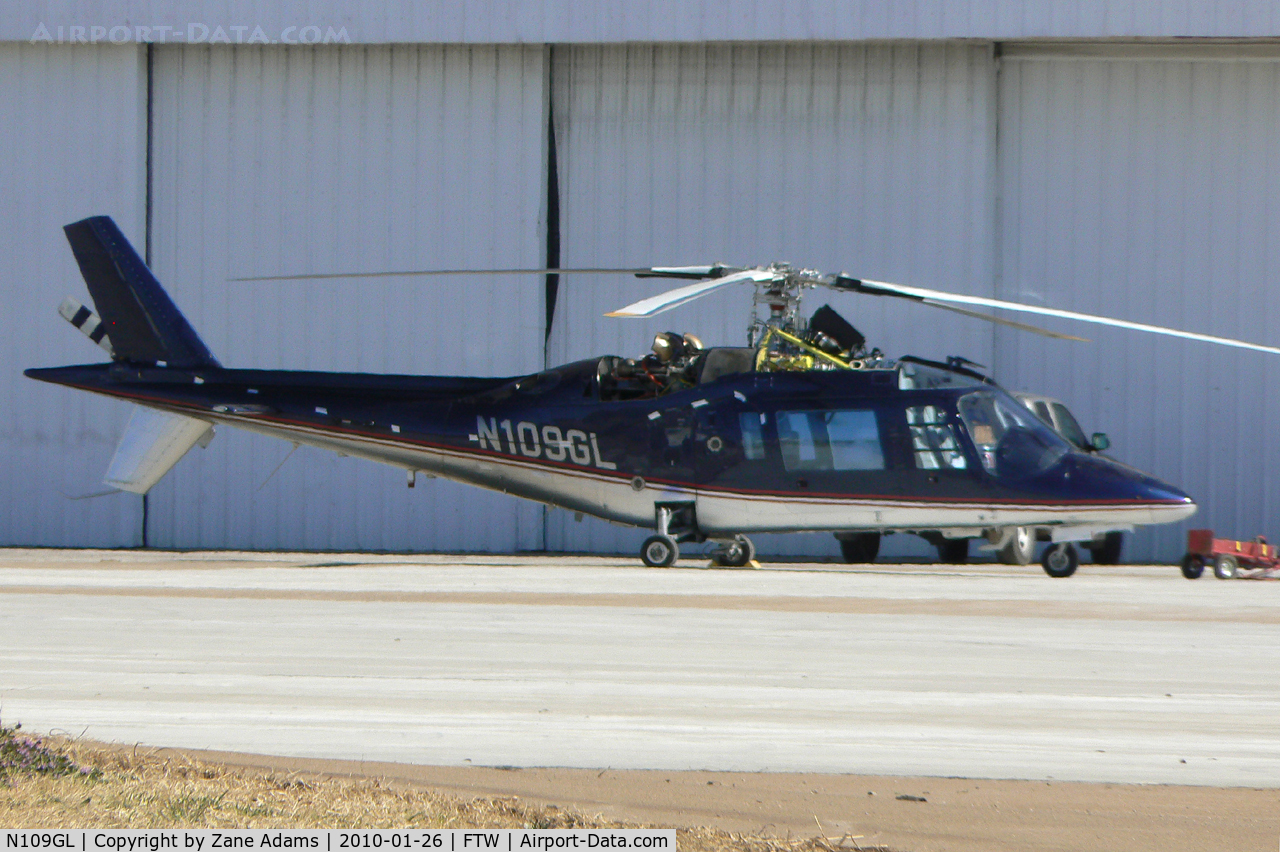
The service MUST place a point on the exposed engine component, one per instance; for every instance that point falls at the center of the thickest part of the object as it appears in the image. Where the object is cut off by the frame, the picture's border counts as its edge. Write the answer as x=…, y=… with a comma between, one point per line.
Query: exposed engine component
x=827, y=342
x=832, y=333
x=667, y=346
x=674, y=363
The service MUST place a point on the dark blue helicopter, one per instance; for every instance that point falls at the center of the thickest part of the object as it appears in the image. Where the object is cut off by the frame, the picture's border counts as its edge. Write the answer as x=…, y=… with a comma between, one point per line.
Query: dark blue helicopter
x=803, y=430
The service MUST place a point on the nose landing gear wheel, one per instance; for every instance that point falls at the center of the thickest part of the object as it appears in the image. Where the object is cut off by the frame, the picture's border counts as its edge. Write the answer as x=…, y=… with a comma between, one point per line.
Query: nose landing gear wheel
x=659, y=551
x=1060, y=560
x=736, y=553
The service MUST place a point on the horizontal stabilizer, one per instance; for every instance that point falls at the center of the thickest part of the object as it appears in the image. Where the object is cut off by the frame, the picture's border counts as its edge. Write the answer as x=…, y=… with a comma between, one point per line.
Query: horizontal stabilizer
x=87, y=321
x=152, y=444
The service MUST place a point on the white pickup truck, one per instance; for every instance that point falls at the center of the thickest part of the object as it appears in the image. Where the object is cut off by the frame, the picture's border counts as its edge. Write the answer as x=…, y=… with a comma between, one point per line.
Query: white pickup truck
x=1105, y=547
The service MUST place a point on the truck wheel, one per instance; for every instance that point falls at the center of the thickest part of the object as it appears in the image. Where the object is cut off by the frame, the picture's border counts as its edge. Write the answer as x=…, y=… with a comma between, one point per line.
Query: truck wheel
x=860, y=548
x=1060, y=560
x=1225, y=567
x=1021, y=548
x=953, y=551
x=1192, y=566
x=659, y=551
x=1108, y=552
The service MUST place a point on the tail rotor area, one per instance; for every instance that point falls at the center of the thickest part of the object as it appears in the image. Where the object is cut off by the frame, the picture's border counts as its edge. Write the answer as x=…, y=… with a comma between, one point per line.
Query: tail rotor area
x=89, y=323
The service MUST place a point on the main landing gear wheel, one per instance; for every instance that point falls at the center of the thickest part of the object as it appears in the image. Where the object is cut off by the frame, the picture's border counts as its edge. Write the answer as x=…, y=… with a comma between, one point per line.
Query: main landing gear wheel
x=736, y=553
x=659, y=551
x=860, y=548
x=1225, y=567
x=953, y=551
x=1060, y=560
x=1021, y=548
x=1192, y=566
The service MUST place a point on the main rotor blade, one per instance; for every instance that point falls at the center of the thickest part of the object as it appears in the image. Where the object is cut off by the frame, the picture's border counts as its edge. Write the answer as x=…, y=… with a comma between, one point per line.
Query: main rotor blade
x=681, y=295
x=920, y=294
x=604, y=270
x=1021, y=326
x=697, y=273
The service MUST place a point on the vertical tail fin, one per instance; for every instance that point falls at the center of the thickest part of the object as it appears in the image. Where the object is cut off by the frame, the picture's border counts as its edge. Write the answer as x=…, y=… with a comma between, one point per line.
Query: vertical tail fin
x=140, y=319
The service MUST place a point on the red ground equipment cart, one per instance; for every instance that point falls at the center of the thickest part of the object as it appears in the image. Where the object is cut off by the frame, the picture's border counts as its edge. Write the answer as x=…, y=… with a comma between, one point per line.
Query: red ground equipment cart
x=1229, y=558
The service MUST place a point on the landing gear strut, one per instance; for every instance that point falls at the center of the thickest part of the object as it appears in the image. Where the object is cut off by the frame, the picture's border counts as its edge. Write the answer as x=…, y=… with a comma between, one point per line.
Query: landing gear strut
x=675, y=523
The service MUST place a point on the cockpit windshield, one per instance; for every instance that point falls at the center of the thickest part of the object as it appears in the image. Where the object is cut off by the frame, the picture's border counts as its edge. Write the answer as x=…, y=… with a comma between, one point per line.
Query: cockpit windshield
x=1011, y=441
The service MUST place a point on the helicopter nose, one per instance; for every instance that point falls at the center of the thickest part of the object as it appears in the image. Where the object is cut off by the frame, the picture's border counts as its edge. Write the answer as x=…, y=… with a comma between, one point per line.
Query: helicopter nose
x=1169, y=503
x=1162, y=502
x=1154, y=489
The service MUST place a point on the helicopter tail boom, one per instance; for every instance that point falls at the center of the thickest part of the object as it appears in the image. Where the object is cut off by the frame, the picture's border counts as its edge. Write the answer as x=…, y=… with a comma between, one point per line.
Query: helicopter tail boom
x=141, y=321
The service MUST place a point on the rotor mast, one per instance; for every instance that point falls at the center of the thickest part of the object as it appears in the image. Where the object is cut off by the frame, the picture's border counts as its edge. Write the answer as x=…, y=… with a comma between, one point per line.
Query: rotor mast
x=776, y=303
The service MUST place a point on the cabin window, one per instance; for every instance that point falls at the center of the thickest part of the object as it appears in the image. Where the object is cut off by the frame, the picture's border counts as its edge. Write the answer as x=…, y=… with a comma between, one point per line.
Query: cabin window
x=752, y=425
x=855, y=440
x=795, y=438
x=830, y=440
x=933, y=440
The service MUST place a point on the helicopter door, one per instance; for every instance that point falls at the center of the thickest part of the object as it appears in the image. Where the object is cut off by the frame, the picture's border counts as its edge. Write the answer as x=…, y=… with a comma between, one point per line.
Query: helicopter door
x=671, y=445
x=828, y=462
x=838, y=450
x=732, y=460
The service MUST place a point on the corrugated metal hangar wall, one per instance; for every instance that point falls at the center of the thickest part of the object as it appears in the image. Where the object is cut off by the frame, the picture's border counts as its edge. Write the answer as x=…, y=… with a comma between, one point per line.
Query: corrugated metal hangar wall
x=275, y=161
x=74, y=123
x=1133, y=181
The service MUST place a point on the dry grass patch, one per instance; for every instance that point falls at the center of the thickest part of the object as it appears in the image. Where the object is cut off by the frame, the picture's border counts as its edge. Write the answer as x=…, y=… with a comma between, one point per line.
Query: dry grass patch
x=100, y=787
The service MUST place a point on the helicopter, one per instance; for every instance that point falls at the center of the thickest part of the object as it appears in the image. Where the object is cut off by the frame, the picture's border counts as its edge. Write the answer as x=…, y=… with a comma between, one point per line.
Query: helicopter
x=804, y=429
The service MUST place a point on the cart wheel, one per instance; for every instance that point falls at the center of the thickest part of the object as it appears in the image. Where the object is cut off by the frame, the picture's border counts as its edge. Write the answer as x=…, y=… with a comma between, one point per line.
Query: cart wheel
x=1192, y=566
x=659, y=551
x=736, y=553
x=1060, y=560
x=863, y=547
x=1021, y=548
x=1225, y=567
